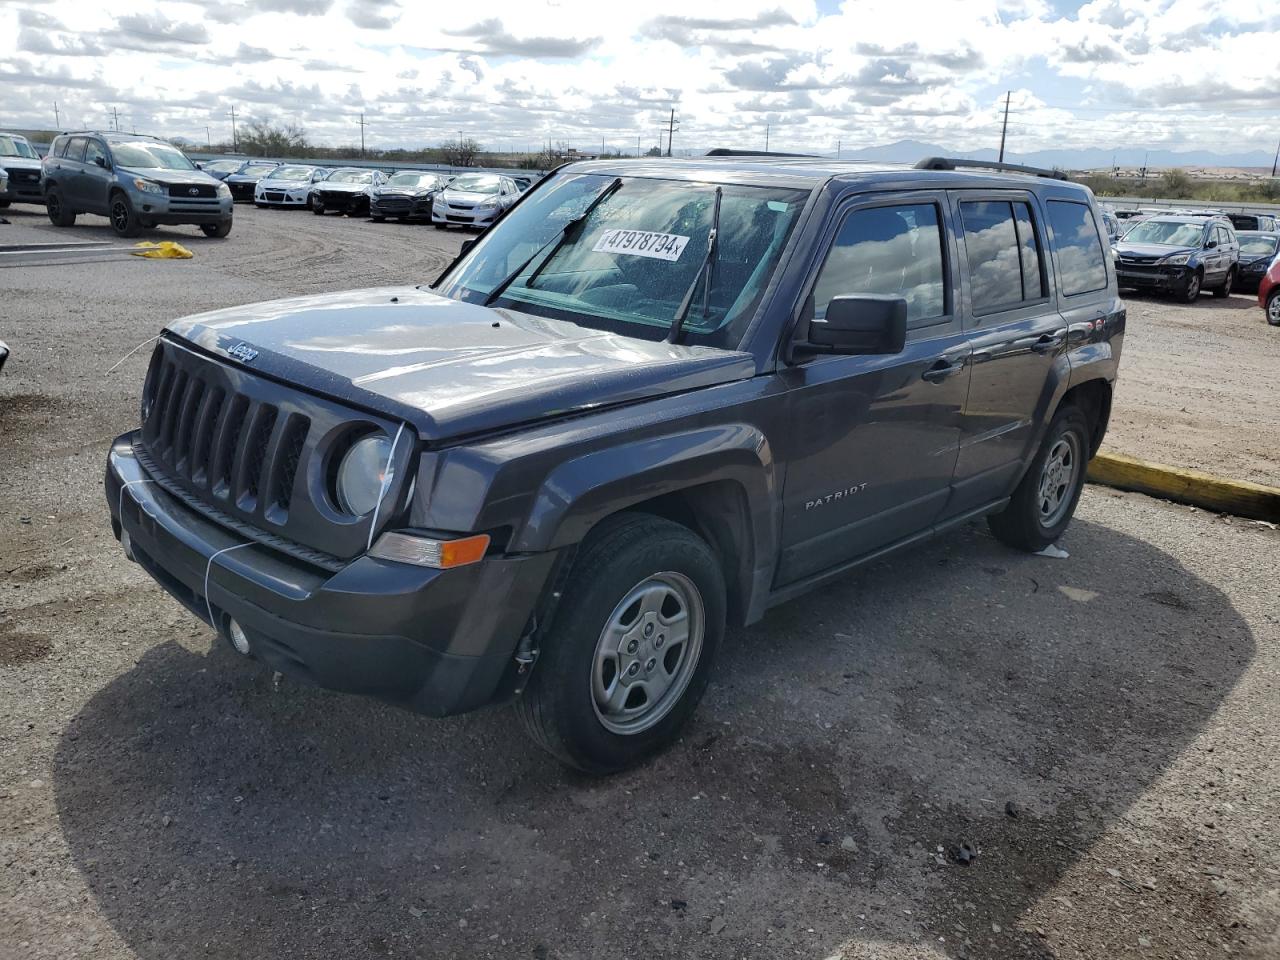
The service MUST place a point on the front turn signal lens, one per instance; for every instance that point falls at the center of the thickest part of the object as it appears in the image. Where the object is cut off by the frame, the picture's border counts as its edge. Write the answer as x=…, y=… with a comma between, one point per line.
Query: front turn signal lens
x=428, y=552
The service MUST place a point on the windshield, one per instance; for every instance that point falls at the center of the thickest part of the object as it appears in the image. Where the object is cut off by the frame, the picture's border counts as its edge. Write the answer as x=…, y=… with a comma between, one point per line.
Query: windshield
x=146, y=155
x=636, y=255
x=292, y=173
x=257, y=169
x=476, y=183
x=351, y=176
x=1167, y=233
x=1257, y=246
x=407, y=178
x=15, y=147
x=223, y=166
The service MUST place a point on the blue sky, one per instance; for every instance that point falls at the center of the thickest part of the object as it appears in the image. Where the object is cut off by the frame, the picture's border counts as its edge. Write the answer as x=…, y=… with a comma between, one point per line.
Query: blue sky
x=1161, y=74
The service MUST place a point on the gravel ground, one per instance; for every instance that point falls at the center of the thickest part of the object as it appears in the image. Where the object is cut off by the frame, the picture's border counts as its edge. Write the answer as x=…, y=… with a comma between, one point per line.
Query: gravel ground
x=1101, y=730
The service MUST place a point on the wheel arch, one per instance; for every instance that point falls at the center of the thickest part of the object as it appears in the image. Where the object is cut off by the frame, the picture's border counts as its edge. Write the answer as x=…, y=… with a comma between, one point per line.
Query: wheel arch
x=1093, y=398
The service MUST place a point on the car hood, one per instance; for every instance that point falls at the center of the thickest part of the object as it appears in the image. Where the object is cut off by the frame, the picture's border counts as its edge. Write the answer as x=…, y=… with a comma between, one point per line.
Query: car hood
x=245, y=177
x=19, y=163
x=1249, y=258
x=460, y=196
x=285, y=184
x=449, y=368
x=1160, y=250
x=339, y=187
x=162, y=175
x=399, y=191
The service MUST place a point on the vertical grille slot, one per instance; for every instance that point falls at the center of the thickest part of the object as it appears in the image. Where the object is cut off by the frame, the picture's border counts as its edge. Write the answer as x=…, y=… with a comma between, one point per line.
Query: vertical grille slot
x=226, y=445
x=173, y=405
x=253, y=457
x=164, y=383
x=202, y=443
x=285, y=466
x=192, y=404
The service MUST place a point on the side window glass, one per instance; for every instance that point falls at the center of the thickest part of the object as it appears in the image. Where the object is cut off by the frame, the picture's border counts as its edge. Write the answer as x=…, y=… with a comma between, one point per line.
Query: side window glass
x=995, y=257
x=59, y=147
x=75, y=149
x=1029, y=253
x=1080, y=253
x=94, y=150
x=894, y=251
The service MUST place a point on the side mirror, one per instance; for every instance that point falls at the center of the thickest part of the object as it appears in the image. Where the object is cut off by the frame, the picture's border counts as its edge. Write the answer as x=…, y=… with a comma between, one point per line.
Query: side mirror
x=863, y=324
x=1210, y=244
x=101, y=161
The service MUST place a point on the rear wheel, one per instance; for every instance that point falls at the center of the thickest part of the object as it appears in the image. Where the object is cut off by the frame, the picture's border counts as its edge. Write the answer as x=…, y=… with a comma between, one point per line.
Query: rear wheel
x=629, y=654
x=123, y=220
x=1044, y=502
x=216, y=229
x=1225, y=290
x=1273, y=308
x=57, y=210
x=1190, y=292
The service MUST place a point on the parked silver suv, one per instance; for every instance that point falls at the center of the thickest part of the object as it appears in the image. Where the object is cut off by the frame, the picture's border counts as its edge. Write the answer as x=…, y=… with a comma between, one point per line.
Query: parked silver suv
x=20, y=160
x=136, y=181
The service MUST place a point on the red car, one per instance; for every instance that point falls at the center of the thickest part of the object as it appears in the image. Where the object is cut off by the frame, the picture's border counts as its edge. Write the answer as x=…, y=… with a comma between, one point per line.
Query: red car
x=1269, y=293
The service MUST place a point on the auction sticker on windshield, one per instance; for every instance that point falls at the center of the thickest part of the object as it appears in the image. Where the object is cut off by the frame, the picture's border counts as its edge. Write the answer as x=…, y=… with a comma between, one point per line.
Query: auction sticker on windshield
x=642, y=243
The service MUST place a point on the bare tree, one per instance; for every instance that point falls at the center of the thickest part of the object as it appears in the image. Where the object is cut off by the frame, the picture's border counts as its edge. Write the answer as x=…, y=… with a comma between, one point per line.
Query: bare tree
x=461, y=152
x=262, y=138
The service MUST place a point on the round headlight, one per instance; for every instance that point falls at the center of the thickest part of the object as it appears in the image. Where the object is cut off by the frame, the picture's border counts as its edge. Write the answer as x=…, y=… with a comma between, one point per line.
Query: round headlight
x=363, y=473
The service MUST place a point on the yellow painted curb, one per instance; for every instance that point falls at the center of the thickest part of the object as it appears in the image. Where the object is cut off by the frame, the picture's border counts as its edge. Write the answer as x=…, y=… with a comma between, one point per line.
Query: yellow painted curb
x=1237, y=497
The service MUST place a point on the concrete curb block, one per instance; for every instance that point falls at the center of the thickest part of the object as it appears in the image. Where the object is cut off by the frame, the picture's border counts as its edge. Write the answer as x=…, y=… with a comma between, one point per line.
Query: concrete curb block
x=1237, y=497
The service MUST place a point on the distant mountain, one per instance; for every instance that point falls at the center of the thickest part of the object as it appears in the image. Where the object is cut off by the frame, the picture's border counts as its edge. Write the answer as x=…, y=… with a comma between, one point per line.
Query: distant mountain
x=909, y=151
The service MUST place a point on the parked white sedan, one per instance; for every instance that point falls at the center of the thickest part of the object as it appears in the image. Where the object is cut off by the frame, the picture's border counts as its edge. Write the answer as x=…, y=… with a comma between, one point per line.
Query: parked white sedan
x=288, y=186
x=474, y=200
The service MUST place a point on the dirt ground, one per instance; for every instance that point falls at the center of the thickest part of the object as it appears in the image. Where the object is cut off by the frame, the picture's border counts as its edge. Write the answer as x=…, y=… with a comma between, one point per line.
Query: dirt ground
x=1104, y=731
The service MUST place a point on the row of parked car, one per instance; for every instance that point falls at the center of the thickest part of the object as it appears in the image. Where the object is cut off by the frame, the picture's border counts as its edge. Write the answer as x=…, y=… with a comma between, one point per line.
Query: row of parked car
x=1184, y=253
x=139, y=182
x=469, y=200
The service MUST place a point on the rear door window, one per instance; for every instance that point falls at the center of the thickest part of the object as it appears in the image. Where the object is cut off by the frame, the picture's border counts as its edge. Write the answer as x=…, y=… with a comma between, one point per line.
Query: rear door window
x=1081, y=263
x=1003, y=253
x=75, y=149
x=893, y=250
x=92, y=151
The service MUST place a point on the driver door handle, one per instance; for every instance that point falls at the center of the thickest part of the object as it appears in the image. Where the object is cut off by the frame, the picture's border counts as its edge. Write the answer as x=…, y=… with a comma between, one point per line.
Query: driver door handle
x=942, y=370
x=1050, y=342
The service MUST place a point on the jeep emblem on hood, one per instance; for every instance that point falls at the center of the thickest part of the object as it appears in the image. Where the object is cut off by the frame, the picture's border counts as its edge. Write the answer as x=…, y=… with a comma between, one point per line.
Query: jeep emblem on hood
x=243, y=352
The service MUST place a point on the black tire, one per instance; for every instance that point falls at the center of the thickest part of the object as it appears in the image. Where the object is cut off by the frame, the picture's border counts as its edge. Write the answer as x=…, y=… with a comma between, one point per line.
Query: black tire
x=558, y=709
x=1273, y=308
x=123, y=220
x=57, y=210
x=378, y=219
x=1190, y=291
x=440, y=226
x=317, y=207
x=1224, y=291
x=3, y=204
x=218, y=230
x=1022, y=523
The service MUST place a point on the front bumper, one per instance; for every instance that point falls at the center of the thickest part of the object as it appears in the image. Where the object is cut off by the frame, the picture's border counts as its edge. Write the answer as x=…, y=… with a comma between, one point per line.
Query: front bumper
x=159, y=209
x=241, y=192
x=282, y=198
x=473, y=217
x=436, y=641
x=400, y=206
x=23, y=188
x=341, y=202
x=1162, y=279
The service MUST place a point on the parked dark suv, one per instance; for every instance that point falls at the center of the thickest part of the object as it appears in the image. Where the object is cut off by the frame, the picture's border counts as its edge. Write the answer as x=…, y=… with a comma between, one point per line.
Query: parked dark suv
x=1179, y=254
x=658, y=396
x=137, y=182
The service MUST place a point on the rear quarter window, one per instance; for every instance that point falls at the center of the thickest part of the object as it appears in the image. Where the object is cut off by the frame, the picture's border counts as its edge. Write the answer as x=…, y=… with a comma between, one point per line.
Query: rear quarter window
x=1082, y=266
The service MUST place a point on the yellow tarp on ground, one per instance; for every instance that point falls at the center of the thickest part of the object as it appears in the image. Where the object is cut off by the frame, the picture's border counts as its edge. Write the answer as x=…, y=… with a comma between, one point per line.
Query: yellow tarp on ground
x=166, y=250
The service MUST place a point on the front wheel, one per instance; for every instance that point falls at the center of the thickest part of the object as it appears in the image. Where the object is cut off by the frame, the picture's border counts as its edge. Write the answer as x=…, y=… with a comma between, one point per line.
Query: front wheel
x=216, y=229
x=56, y=208
x=1273, y=308
x=629, y=653
x=123, y=220
x=317, y=207
x=377, y=219
x=1042, y=506
x=1225, y=290
x=1191, y=289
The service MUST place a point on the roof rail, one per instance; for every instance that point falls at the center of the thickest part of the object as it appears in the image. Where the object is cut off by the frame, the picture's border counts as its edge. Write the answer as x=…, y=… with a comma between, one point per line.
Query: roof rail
x=952, y=163
x=729, y=152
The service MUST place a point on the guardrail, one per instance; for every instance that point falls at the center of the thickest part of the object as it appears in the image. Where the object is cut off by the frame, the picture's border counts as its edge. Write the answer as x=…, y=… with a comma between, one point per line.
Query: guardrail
x=1125, y=203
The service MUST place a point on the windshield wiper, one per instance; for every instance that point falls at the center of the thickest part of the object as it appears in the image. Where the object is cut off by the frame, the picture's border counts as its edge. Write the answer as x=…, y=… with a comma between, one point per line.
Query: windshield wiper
x=708, y=267
x=572, y=230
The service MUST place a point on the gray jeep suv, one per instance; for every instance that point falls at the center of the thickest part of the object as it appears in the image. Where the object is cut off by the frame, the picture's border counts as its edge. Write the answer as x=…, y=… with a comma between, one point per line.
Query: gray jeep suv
x=136, y=181
x=659, y=396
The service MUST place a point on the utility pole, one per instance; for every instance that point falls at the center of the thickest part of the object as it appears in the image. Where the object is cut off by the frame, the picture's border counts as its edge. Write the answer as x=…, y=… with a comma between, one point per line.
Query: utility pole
x=1276, y=161
x=235, y=143
x=838, y=143
x=57, y=121
x=671, y=129
x=637, y=144
x=766, y=138
x=1005, y=127
x=208, y=136
x=362, y=126
x=115, y=119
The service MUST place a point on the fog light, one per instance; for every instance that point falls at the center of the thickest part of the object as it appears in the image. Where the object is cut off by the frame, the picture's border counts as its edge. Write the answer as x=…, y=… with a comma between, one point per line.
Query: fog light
x=238, y=638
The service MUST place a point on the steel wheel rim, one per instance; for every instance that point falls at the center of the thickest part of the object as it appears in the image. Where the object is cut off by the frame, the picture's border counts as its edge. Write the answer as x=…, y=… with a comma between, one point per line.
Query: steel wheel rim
x=647, y=653
x=1230, y=282
x=1057, y=479
x=119, y=215
x=1193, y=286
x=1273, y=308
